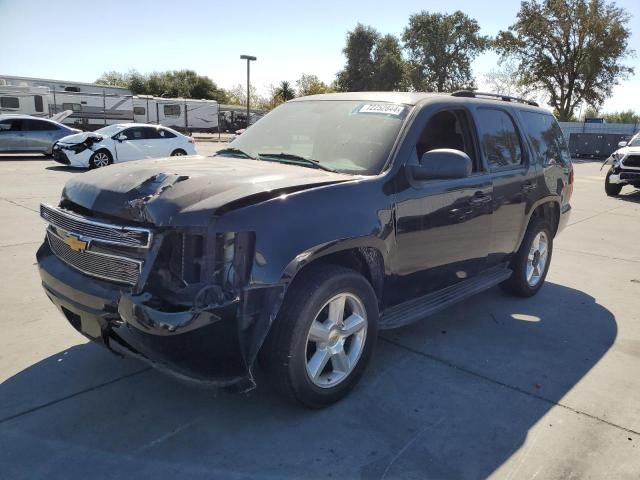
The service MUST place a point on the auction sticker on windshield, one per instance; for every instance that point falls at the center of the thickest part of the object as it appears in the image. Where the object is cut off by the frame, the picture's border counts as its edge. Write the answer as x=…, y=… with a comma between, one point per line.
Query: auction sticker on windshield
x=382, y=108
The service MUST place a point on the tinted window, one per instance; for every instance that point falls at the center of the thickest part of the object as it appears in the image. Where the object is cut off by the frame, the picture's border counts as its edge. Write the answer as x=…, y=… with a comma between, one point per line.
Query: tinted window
x=546, y=138
x=136, y=133
x=37, y=100
x=165, y=133
x=150, y=132
x=447, y=129
x=71, y=89
x=499, y=138
x=38, y=125
x=9, y=102
x=12, y=125
x=76, y=107
x=139, y=110
x=172, y=110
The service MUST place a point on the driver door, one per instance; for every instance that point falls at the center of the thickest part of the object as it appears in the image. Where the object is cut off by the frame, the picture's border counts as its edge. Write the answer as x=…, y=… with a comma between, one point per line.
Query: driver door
x=443, y=227
x=133, y=147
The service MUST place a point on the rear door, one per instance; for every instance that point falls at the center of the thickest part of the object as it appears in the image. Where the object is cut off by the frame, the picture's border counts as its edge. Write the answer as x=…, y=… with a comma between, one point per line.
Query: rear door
x=11, y=135
x=513, y=176
x=156, y=144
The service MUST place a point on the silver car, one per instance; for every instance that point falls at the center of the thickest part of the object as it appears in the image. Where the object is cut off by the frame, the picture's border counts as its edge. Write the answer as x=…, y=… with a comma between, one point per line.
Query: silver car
x=27, y=134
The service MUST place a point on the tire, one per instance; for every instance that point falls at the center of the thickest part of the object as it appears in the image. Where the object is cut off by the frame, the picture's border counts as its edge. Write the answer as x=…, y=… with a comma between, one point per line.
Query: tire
x=178, y=153
x=314, y=372
x=611, y=189
x=100, y=159
x=530, y=268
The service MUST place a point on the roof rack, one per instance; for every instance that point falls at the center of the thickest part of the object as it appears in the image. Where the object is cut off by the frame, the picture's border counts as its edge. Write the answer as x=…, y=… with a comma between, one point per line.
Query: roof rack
x=504, y=98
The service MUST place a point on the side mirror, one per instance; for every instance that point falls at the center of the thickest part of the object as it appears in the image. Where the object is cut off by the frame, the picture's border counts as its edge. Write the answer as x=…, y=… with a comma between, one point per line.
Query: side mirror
x=121, y=137
x=622, y=144
x=442, y=164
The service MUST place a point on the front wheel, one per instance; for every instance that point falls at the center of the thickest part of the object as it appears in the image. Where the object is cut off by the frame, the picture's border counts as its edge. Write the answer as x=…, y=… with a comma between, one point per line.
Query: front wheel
x=531, y=263
x=100, y=159
x=323, y=337
x=611, y=189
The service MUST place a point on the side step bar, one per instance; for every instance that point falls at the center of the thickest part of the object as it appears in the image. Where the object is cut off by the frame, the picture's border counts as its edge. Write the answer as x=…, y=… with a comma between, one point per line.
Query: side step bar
x=418, y=308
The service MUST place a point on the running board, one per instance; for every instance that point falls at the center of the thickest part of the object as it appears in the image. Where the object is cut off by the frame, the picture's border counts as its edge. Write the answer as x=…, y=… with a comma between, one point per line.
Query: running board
x=418, y=308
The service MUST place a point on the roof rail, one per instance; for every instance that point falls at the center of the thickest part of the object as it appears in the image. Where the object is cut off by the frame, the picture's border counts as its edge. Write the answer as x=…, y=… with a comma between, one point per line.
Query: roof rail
x=504, y=98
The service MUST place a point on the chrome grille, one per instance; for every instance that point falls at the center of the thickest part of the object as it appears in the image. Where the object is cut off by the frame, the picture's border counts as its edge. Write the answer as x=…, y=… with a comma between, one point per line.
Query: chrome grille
x=101, y=265
x=631, y=161
x=98, y=231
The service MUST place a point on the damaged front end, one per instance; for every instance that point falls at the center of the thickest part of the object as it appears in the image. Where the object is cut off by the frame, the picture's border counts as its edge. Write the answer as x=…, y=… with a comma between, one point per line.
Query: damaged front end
x=190, y=310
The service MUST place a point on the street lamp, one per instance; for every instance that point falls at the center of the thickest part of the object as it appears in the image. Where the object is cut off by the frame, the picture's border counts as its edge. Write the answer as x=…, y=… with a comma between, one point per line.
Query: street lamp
x=249, y=59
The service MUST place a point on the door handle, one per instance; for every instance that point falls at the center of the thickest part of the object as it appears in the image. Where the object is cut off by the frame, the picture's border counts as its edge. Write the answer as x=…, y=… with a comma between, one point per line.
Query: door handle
x=480, y=200
x=529, y=186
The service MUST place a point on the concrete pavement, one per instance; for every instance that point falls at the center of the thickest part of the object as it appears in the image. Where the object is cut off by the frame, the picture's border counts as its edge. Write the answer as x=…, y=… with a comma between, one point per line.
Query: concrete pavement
x=545, y=387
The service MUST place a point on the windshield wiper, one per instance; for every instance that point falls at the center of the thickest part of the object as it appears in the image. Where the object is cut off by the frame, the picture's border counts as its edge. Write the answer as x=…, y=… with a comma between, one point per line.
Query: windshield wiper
x=298, y=159
x=237, y=151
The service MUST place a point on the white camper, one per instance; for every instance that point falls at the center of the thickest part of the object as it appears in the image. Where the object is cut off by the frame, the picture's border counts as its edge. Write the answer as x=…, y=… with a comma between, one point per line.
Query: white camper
x=92, y=110
x=178, y=113
x=24, y=100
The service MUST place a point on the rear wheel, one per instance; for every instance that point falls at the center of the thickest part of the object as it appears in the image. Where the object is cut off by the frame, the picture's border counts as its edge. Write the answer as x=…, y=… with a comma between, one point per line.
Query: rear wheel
x=531, y=263
x=611, y=189
x=178, y=153
x=323, y=337
x=99, y=159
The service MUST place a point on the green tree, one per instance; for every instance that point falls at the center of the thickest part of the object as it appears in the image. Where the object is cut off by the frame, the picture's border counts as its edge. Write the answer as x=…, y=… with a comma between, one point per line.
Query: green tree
x=623, y=116
x=312, y=85
x=359, y=69
x=441, y=48
x=284, y=92
x=572, y=49
x=174, y=83
x=389, y=66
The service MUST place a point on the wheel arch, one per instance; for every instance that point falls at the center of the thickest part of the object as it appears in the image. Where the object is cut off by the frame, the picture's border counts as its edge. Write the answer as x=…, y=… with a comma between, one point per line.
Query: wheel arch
x=548, y=208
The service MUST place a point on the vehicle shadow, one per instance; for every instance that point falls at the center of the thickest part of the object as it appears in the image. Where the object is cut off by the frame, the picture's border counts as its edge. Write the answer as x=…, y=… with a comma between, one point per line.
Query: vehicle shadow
x=24, y=158
x=451, y=397
x=628, y=195
x=62, y=168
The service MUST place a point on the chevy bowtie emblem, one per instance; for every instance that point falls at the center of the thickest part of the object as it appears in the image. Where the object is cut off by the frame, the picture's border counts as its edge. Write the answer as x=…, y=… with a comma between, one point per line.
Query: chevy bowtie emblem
x=76, y=244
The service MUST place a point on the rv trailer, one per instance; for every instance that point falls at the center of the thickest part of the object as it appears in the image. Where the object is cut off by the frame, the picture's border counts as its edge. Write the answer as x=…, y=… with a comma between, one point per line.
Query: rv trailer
x=24, y=100
x=62, y=85
x=183, y=114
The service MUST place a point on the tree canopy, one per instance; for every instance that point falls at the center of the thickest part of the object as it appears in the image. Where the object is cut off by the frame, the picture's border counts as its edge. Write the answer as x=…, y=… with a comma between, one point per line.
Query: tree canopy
x=572, y=49
x=174, y=83
x=311, y=85
x=441, y=48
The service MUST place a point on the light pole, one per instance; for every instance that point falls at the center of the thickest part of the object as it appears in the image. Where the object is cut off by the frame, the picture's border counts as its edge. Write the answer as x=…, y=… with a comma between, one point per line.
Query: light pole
x=249, y=59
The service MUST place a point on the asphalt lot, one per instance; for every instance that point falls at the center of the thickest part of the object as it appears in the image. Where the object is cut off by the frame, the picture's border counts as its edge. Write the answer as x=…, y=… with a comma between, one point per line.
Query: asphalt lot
x=547, y=387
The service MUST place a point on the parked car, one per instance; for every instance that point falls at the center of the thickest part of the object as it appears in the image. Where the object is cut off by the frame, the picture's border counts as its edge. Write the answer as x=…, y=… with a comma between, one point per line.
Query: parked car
x=121, y=143
x=625, y=167
x=334, y=216
x=29, y=134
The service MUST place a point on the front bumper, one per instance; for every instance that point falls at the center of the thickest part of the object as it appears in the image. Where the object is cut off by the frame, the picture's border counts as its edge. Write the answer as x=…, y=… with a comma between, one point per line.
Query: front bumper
x=625, y=177
x=212, y=347
x=70, y=158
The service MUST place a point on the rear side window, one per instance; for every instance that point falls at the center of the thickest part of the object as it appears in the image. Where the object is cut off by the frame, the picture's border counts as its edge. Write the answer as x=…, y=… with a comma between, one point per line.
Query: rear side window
x=165, y=133
x=546, y=138
x=37, y=100
x=499, y=139
x=172, y=110
x=150, y=133
x=9, y=102
x=38, y=125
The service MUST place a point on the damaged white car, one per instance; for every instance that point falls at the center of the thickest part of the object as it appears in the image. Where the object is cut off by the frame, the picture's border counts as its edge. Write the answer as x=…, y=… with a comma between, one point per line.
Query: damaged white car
x=121, y=143
x=625, y=167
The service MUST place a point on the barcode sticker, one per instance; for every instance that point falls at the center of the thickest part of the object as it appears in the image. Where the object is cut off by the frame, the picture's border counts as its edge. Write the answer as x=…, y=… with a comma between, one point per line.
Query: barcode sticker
x=382, y=108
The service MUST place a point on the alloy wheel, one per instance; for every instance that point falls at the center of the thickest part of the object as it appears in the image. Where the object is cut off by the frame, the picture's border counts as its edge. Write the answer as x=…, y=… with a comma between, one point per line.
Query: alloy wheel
x=537, y=258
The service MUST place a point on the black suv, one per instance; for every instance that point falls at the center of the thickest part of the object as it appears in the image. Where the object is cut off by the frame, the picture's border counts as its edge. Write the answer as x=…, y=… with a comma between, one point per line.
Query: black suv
x=334, y=216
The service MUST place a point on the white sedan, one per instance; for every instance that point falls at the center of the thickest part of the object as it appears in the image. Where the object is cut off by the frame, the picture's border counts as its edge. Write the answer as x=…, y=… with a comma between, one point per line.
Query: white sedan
x=121, y=143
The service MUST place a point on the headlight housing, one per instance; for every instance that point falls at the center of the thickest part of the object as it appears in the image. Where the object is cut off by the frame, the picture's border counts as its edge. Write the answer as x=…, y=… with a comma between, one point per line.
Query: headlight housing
x=201, y=269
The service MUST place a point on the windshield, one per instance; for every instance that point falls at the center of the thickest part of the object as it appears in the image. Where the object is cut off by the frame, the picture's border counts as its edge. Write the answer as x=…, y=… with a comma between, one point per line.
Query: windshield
x=348, y=136
x=109, y=131
x=635, y=141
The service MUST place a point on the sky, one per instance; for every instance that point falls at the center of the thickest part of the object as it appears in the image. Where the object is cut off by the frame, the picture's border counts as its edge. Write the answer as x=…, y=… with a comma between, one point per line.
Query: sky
x=80, y=40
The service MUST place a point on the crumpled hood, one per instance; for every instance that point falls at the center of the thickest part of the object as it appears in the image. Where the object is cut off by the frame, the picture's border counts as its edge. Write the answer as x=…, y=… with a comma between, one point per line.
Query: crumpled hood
x=80, y=137
x=189, y=189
